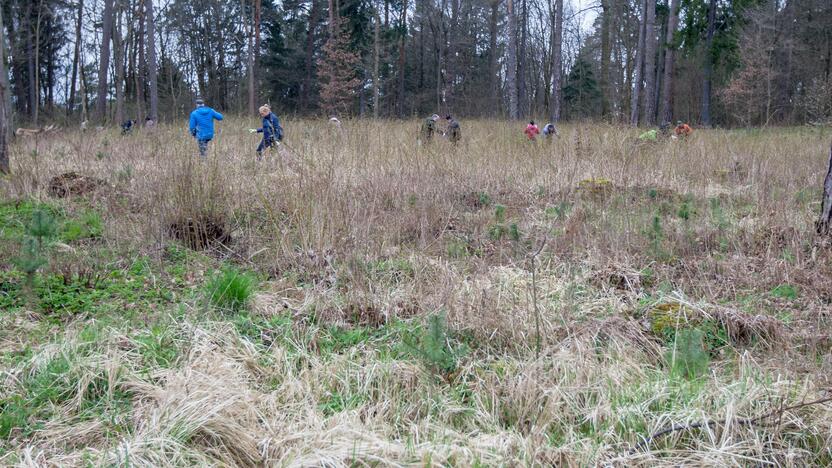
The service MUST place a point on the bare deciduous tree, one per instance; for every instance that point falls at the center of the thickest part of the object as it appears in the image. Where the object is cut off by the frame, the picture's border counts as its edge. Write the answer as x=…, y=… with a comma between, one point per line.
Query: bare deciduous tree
x=649, y=104
x=104, y=61
x=152, y=66
x=5, y=110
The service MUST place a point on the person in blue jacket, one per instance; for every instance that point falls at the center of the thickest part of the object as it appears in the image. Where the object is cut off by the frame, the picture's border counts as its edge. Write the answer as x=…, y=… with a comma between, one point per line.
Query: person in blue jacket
x=271, y=130
x=202, y=125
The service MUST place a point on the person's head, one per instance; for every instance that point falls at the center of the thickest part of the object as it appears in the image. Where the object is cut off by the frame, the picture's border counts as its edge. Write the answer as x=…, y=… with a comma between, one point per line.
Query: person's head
x=434, y=117
x=679, y=122
x=448, y=117
x=531, y=122
x=264, y=111
x=199, y=102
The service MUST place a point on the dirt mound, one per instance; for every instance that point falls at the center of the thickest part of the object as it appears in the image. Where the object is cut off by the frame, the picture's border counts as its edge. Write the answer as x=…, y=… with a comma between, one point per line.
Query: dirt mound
x=200, y=232
x=72, y=184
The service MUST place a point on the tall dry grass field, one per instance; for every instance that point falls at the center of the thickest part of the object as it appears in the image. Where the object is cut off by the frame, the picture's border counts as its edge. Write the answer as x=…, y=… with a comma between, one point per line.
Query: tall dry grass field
x=498, y=302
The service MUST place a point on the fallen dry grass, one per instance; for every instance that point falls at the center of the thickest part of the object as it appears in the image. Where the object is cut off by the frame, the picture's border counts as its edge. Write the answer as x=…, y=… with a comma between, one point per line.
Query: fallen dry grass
x=365, y=230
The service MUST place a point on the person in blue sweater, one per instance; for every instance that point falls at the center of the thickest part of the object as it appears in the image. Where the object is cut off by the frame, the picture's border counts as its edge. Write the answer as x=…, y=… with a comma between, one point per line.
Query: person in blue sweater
x=271, y=130
x=202, y=125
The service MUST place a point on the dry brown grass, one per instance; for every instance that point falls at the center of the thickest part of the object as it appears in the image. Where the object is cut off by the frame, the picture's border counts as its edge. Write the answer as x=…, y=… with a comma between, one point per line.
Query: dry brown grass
x=366, y=230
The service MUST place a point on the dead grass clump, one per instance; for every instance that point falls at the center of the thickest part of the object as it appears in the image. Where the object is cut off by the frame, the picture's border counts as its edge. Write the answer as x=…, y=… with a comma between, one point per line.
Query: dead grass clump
x=741, y=329
x=201, y=232
x=476, y=200
x=747, y=329
x=646, y=192
x=619, y=334
x=619, y=277
x=72, y=184
x=597, y=188
x=736, y=173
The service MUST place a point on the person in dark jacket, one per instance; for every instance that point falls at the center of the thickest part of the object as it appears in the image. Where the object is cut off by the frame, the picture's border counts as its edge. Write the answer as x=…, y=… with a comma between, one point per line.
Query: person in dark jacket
x=271, y=130
x=127, y=126
x=453, y=132
x=202, y=125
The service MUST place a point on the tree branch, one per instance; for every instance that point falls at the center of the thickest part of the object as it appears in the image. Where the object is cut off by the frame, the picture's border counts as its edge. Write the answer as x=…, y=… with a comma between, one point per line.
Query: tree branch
x=741, y=421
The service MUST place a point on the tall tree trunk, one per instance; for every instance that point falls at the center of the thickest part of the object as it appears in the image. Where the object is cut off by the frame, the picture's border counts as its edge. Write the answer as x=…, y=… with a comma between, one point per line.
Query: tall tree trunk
x=36, y=75
x=254, y=49
x=250, y=65
x=257, y=15
x=824, y=223
x=441, y=46
x=708, y=65
x=420, y=7
x=450, y=56
x=18, y=62
x=649, y=117
x=152, y=66
x=141, y=67
x=522, y=91
x=637, y=79
x=556, y=61
x=511, y=62
x=493, y=83
x=310, y=46
x=376, y=53
x=118, y=58
x=104, y=61
x=606, y=49
x=403, y=34
x=30, y=60
x=83, y=90
x=667, y=82
x=76, y=54
x=5, y=109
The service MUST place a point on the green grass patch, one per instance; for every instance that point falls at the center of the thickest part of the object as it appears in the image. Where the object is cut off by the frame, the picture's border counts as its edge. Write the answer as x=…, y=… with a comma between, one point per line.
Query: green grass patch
x=88, y=226
x=230, y=289
x=785, y=291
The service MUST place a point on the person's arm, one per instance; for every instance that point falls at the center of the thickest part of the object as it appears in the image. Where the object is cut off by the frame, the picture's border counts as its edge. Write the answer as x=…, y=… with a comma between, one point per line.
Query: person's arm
x=192, y=126
x=280, y=130
x=217, y=115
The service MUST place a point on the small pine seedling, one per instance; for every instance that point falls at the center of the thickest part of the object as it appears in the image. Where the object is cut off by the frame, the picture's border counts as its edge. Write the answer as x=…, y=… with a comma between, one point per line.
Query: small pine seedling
x=689, y=358
x=32, y=257
x=433, y=348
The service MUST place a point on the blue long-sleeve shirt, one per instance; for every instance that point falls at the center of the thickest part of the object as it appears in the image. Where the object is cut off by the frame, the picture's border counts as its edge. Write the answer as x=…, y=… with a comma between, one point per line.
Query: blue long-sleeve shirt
x=271, y=128
x=202, y=122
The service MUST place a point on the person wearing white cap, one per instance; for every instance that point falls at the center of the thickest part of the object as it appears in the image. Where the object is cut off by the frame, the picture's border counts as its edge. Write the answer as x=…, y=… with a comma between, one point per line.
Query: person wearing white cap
x=428, y=129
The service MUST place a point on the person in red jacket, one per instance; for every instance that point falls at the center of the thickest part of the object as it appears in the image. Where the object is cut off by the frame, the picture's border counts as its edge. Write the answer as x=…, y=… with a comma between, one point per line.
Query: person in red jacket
x=683, y=130
x=531, y=131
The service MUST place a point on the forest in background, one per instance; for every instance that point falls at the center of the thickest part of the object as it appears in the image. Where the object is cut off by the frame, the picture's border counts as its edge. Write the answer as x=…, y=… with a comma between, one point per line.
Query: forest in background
x=710, y=62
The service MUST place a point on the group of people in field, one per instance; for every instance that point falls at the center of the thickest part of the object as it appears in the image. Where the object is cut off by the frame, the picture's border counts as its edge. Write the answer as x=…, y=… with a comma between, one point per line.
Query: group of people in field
x=452, y=130
x=202, y=119
x=682, y=130
x=532, y=131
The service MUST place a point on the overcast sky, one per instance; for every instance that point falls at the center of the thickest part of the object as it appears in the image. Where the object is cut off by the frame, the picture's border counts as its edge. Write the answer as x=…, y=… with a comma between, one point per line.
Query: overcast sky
x=587, y=17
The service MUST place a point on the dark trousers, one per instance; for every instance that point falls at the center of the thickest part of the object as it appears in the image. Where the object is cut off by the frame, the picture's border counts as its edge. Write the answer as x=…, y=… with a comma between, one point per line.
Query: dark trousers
x=264, y=143
x=203, y=147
